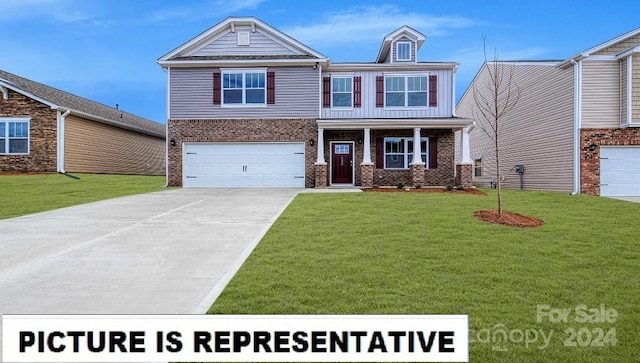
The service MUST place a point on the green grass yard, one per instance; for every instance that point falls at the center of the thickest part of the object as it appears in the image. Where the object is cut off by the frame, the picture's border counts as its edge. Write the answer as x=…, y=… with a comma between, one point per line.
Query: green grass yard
x=424, y=253
x=26, y=194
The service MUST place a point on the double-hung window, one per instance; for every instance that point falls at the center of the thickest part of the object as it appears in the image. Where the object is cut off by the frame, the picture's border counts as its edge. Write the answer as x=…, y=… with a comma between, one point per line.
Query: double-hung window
x=406, y=91
x=244, y=88
x=342, y=92
x=403, y=51
x=14, y=136
x=477, y=167
x=398, y=152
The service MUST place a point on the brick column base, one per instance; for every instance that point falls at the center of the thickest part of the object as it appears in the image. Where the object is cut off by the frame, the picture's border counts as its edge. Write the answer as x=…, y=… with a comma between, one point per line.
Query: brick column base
x=321, y=175
x=366, y=175
x=417, y=174
x=464, y=175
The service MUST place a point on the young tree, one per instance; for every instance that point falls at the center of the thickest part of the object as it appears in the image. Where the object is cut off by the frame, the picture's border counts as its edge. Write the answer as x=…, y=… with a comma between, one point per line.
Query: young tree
x=493, y=101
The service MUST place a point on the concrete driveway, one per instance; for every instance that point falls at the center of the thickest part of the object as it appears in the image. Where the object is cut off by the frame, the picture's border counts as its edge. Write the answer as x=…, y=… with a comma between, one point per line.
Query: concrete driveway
x=627, y=199
x=170, y=252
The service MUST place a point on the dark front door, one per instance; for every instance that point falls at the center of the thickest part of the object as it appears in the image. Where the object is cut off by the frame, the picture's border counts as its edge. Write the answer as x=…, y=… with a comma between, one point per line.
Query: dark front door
x=342, y=163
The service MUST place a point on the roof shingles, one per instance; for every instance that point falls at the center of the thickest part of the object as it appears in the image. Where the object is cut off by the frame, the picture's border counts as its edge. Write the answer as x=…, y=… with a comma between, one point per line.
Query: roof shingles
x=83, y=106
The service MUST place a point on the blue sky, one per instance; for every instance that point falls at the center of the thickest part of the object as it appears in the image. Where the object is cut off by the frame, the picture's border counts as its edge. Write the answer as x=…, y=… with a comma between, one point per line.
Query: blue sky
x=106, y=50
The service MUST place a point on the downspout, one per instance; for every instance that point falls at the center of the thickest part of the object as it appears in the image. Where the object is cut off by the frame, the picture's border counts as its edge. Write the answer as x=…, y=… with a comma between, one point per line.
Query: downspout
x=61, y=125
x=577, y=117
x=166, y=130
x=453, y=92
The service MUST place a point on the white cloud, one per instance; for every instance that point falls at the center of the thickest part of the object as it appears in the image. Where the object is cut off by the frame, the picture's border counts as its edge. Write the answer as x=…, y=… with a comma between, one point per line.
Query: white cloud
x=371, y=24
x=65, y=11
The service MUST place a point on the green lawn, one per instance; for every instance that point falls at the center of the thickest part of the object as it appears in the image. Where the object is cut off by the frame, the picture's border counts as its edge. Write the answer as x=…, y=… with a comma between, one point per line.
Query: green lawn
x=418, y=253
x=26, y=194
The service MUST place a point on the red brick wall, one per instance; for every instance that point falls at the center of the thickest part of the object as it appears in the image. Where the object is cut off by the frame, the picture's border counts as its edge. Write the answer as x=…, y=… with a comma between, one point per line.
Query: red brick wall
x=42, y=133
x=241, y=130
x=590, y=160
x=302, y=130
x=444, y=174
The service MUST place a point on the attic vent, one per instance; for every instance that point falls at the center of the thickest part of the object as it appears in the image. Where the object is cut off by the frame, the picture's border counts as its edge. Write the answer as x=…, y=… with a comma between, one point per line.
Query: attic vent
x=243, y=38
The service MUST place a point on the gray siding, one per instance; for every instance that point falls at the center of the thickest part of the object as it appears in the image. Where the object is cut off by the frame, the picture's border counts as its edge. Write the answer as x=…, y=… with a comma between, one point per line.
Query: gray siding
x=259, y=43
x=537, y=133
x=191, y=95
x=600, y=94
x=369, y=109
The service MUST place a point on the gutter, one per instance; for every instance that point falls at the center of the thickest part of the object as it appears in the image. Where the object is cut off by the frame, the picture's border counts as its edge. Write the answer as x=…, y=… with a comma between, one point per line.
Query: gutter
x=577, y=118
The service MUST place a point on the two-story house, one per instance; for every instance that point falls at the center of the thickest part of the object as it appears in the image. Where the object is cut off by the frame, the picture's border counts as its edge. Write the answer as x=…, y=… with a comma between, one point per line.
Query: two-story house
x=575, y=126
x=250, y=106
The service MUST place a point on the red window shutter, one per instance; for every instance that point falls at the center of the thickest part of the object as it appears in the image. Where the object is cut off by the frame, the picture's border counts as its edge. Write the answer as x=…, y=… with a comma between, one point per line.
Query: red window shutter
x=357, y=92
x=433, y=153
x=380, y=91
x=379, y=153
x=433, y=91
x=217, y=88
x=326, y=91
x=271, y=88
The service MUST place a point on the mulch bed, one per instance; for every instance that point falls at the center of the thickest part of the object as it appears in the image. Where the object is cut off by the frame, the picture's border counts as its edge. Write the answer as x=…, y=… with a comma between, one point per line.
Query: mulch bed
x=508, y=218
x=471, y=191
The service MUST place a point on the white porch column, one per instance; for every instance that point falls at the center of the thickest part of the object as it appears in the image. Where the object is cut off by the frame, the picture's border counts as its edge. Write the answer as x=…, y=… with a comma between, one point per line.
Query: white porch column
x=320, y=146
x=417, y=147
x=366, y=158
x=465, y=150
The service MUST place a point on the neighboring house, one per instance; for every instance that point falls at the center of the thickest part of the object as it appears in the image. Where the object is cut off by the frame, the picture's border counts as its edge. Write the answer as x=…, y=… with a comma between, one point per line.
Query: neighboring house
x=575, y=127
x=250, y=106
x=43, y=129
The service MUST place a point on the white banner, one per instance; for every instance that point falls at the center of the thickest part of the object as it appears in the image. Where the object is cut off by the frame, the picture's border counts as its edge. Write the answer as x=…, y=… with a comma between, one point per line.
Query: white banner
x=233, y=338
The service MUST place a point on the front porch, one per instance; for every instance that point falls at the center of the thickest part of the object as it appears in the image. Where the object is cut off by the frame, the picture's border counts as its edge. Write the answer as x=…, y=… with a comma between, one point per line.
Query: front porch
x=378, y=153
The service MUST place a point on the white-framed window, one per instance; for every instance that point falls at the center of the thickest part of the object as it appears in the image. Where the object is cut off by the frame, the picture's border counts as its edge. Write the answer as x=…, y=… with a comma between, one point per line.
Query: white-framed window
x=14, y=136
x=341, y=92
x=406, y=91
x=241, y=87
x=398, y=152
x=477, y=167
x=403, y=51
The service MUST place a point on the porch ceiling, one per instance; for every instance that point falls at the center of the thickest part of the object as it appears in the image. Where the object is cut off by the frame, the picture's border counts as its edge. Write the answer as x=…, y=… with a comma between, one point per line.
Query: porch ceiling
x=424, y=123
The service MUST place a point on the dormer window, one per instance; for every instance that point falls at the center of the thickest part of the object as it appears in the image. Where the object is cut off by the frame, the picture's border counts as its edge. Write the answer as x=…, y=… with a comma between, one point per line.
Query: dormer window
x=403, y=51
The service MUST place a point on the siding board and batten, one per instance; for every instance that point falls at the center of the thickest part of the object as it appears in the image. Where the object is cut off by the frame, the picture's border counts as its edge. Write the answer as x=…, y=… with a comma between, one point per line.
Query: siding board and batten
x=368, y=108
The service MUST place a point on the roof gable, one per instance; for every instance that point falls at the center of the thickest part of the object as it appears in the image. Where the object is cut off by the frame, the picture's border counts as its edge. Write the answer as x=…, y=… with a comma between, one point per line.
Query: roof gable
x=402, y=32
x=608, y=47
x=235, y=38
x=57, y=99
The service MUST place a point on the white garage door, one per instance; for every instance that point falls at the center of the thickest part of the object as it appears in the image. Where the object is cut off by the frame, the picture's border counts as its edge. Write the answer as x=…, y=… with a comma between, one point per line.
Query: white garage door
x=243, y=165
x=619, y=171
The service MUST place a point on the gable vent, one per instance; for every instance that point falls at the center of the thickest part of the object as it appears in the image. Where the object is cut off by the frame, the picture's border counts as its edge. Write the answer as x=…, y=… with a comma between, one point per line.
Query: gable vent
x=243, y=38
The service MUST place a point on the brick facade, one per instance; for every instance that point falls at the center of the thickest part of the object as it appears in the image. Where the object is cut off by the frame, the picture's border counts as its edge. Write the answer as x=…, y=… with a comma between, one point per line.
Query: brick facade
x=590, y=159
x=464, y=175
x=442, y=175
x=240, y=130
x=417, y=174
x=42, y=134
x=321, y=176
x=303, y=130
x=366, y=177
